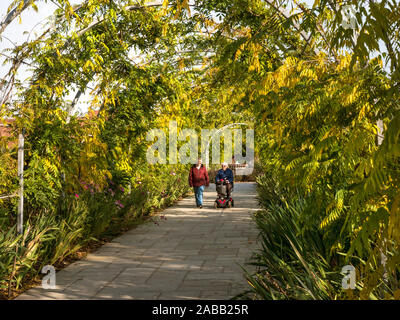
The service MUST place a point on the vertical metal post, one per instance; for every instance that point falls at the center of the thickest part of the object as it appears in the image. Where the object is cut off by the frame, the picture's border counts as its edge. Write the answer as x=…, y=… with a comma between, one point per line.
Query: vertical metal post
x=20, y=218
x=380, y=135
x=130, y=180
x=383, y=249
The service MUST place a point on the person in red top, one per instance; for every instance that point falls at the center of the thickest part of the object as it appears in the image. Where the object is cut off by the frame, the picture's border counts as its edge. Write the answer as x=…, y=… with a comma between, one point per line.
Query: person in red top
x=198, y=179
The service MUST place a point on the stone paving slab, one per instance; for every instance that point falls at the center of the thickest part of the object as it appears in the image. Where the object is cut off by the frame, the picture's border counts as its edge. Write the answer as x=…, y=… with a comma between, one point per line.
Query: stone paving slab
x=194, y=254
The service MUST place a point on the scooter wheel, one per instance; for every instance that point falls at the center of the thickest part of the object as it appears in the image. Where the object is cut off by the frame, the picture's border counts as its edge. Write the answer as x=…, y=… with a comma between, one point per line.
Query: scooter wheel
x=233, y=204
x=215, y=205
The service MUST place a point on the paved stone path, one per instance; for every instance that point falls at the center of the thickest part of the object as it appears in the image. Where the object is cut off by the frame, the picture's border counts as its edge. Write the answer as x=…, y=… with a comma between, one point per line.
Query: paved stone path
x=194, y=254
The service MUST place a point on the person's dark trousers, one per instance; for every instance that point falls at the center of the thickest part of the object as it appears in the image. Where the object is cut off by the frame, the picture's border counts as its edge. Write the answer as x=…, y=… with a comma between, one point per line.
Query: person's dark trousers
x=198, y=193
x=229, y=187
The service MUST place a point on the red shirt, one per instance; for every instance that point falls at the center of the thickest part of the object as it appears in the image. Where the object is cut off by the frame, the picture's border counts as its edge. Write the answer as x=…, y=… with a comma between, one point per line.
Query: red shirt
x=198, y=177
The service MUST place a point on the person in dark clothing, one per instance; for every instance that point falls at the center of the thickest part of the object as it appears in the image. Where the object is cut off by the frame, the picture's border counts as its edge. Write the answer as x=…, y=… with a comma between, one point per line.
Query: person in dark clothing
x=225, y=175
x=198, y=179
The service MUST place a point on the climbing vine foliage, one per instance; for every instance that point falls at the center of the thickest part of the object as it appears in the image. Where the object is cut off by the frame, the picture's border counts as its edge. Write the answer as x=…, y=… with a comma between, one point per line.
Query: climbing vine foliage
x=319, y=86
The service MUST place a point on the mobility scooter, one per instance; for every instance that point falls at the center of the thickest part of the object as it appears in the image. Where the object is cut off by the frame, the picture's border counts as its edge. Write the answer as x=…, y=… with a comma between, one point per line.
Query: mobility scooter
x=224, y=199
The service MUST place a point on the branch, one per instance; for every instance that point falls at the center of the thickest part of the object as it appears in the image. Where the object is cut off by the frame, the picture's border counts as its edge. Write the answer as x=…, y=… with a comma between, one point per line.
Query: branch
x=6, y=21
x=387, y=42
x=129, y=8
x=22, y=61
x=14, y=13
x=17, y=61
x=332, y=5
x=9, y=40
x=320, y=30
x=75, y=101
x=286, y=16
x=10, y=196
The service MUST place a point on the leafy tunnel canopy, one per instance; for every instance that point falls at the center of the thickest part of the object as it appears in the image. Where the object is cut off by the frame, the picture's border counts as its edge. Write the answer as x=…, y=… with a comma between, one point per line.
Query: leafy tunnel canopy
x=318, y=81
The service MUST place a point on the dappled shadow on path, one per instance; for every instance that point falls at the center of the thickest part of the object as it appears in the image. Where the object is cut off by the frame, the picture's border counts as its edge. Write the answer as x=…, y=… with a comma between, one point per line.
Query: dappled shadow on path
x=192, y=254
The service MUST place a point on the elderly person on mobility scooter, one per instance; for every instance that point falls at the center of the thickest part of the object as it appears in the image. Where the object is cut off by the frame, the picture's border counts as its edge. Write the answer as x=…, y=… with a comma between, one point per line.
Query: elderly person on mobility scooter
x=224, y=177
